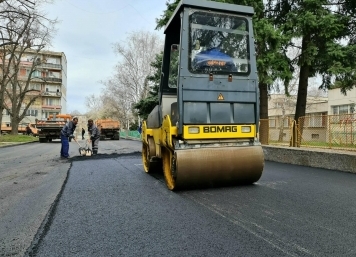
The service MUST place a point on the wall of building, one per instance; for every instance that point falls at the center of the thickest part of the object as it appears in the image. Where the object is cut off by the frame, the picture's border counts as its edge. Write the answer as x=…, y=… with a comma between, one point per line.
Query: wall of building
x=339, y=103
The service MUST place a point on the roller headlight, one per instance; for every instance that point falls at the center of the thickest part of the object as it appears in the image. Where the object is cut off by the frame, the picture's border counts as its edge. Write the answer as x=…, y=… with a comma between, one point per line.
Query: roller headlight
x=245, y=129
x=193, y=130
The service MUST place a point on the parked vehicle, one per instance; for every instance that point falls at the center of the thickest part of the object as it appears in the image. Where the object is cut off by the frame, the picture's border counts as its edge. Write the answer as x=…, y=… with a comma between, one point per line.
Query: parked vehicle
x=108, y=128
x=50, y=128
x=5, y=129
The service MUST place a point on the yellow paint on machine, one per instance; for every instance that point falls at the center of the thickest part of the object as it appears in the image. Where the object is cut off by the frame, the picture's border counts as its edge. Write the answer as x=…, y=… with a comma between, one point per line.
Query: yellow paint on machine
x=218, y=131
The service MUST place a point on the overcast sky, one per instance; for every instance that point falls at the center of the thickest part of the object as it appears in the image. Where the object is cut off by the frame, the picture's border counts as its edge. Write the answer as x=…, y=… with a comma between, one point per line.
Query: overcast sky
x=86, y=33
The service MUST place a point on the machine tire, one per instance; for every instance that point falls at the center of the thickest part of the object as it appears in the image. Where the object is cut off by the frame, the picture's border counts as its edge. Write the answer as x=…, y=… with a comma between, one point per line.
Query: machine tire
x=43, y=140
x=145, y=158
x=150, y=164
x=167, y=158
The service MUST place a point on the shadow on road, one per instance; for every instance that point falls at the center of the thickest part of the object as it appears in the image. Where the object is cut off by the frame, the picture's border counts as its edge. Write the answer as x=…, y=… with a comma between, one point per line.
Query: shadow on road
x=104, y=156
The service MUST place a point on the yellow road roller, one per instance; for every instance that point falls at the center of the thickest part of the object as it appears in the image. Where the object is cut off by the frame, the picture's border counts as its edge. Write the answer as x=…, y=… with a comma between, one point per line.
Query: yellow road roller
x=204, y=131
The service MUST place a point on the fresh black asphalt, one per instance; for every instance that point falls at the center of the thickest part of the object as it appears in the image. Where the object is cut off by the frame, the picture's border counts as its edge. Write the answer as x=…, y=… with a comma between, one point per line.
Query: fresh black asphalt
x=110, y=207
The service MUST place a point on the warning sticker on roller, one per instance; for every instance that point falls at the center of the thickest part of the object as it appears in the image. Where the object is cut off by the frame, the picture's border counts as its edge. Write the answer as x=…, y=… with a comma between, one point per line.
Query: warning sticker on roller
x=220, y=97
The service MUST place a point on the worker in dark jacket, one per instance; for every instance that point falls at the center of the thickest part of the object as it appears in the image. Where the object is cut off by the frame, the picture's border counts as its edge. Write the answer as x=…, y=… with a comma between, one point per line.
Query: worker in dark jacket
x=94, y=135
x=66, y=133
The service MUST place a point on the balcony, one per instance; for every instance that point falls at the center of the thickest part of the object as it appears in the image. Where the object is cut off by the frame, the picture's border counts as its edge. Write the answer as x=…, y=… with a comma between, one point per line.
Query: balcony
x=51, y=93
x=48, y=79
x=52, y=79
x=37, y=92
x=52, y=107
x=50, y=66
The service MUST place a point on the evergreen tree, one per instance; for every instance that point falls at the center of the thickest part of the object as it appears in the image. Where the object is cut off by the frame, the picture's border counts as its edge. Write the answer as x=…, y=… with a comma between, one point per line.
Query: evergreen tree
x=321, y=30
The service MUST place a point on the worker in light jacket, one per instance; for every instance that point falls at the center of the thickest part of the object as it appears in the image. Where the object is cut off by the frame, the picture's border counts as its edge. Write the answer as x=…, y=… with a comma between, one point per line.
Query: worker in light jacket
x=94, y=135
x=66, y=133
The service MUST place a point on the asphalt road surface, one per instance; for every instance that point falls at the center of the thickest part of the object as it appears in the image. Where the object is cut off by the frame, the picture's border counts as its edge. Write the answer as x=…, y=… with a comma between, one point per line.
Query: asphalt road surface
x=110, y=207
x=31, y=177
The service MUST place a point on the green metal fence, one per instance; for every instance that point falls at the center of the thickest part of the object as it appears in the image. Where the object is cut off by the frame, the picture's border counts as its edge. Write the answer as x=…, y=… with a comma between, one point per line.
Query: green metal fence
x=130, y=134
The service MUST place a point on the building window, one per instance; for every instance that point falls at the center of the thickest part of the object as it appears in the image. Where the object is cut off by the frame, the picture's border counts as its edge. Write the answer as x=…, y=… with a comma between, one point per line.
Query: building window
x=316, y=120
x=272, y=123
x=36, y=74
x=50, y=101
x=286, y=122
x=341, y=113
x=335, y=110
x=315, y=136
x=343, y=109
x=35, y=86
x=32, y=113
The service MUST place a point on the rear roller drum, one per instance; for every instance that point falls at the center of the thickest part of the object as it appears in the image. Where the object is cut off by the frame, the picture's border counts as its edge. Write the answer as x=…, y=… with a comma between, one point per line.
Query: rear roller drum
x=148, y=152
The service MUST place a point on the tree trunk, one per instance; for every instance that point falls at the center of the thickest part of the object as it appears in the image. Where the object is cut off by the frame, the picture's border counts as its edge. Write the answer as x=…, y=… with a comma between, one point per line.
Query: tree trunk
x=264, y=123
x=302, y=87
x=302, y=92
x=14, y=118
x=0, y=123
x=1, y=110
x=15, y=126
x=1, y=105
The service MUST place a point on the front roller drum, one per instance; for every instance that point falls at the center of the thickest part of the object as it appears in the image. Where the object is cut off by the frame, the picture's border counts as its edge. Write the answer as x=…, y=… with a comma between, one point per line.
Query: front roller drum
x=209, y=167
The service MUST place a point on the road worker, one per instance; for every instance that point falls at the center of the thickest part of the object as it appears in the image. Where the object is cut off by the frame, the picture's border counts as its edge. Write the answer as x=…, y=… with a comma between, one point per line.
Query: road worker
x=67, y=133
x=94, y=136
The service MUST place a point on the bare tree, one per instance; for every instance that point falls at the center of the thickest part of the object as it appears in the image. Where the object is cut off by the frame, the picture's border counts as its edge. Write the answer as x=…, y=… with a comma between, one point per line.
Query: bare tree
x=118, y=103
x=25, y=31
x=94, y=105
x=75, y=113
x=129, y=84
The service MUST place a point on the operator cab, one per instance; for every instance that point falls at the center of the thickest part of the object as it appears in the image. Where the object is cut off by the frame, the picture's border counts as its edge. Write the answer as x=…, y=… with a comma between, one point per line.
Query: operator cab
x=208, y=75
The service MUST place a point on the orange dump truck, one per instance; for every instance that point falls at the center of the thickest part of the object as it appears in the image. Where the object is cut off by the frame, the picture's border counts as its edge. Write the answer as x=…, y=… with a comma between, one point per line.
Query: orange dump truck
x=5, y=129
x=50, y=128
x=108, y=128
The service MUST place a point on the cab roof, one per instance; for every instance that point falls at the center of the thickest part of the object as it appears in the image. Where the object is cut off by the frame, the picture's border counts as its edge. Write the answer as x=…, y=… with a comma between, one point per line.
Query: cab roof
x=207, y=5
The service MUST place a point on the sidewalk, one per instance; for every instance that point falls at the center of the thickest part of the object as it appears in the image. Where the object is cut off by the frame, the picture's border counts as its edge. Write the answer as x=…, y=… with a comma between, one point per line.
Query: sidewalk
x=7, y=144
x=331, y=159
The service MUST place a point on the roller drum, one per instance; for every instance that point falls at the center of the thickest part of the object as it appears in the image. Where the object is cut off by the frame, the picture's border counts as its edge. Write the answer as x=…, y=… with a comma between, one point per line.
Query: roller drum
x=218, y=166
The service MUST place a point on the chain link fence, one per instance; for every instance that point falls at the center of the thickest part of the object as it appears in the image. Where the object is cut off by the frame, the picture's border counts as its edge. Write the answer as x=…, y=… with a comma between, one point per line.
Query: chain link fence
x=278, y=130
x=320, y=131
x=332, y=131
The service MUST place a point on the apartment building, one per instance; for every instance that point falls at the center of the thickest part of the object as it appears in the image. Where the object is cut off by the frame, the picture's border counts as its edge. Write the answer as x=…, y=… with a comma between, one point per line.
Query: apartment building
x=50, y=78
